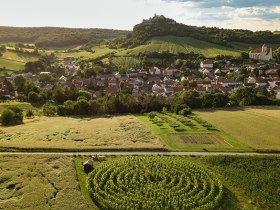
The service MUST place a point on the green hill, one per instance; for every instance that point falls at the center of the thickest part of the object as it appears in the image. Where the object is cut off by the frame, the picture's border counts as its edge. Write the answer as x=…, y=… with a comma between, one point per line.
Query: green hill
x=162, y=26
x=176, y=45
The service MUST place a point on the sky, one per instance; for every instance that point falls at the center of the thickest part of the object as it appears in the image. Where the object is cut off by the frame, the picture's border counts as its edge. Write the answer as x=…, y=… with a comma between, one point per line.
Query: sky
x=124, y=14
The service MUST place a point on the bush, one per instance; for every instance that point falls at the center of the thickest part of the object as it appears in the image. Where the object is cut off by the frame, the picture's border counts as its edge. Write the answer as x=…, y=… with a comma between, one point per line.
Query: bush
x=81, y=107
x=82, y=98
x=49, y=109
x=152, y=115
x=29, y=113
x=185, y=112
x=12, y=116
x=85, y=94
x=34, y=97
x=7, y=117
x=61, y=111
x=18, y=119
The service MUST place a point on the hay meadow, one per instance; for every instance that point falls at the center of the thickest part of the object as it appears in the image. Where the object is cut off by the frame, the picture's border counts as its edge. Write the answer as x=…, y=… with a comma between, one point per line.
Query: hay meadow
x=39, y=182
x=114, y=132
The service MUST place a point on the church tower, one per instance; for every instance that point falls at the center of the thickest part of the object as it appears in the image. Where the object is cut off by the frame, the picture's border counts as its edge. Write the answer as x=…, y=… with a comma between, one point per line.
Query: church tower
x=264, y=48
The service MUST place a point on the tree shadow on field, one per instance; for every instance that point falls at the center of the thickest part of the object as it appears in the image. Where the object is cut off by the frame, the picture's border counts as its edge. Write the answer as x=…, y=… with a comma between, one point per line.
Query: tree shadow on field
x=229, y=201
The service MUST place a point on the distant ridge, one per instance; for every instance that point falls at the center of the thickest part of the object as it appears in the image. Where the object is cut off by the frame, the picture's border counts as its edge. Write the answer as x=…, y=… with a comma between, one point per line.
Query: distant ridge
x=56, y=36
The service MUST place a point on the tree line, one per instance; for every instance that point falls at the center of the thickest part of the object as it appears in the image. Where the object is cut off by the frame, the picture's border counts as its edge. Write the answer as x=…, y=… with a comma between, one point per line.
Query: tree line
x=55, y=36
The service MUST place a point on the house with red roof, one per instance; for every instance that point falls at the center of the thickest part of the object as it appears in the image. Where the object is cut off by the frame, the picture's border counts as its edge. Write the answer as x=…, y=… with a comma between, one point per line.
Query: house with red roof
x=207, y=64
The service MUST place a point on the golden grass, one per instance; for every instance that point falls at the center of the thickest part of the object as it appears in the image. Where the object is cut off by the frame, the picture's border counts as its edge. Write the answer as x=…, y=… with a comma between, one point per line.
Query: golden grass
x=256, y=127
x=80, y=133
x=44, y=182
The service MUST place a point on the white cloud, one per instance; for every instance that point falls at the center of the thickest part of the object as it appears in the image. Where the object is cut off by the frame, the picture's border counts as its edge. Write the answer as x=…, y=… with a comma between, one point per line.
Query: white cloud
x=124, y=14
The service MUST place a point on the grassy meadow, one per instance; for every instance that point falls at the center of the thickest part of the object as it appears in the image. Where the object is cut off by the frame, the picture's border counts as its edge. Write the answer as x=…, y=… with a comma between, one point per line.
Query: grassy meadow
x=257, y=127
x=191, y=133
x=39, y=182
x=76, y=133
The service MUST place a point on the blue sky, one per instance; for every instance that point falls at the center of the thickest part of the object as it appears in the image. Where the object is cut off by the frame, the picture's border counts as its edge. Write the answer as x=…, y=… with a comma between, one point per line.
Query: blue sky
x=124, y=14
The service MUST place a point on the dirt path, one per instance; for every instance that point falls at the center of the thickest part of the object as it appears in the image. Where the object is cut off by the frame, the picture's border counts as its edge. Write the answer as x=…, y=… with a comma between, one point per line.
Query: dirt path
x=145, y=153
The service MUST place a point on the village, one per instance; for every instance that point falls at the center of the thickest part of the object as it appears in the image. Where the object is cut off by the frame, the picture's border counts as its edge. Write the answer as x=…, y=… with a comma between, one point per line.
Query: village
x=206, y=79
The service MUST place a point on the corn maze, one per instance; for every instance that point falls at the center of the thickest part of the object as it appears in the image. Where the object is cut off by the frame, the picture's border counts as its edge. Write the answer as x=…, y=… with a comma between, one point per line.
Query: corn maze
x=153, y=182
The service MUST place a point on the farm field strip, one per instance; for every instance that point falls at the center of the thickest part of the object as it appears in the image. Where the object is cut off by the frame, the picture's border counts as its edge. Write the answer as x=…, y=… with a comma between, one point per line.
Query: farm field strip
x=173, y=129
x=199, y=139
x=256, y=127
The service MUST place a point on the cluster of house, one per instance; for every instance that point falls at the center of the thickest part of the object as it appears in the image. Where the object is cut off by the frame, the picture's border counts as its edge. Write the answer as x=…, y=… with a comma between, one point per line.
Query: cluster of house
x=162, y=81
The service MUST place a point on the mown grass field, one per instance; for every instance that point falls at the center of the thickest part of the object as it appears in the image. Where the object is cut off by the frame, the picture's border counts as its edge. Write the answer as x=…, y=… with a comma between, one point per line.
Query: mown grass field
x=180, y=133
x=76, y=133
x=257, y=127
x=39, y=182
x=248, y=182
x=181, y=45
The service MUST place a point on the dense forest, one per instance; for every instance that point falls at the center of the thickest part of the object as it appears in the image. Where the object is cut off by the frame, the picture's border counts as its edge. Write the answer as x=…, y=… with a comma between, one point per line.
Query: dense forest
x=56, y=37
x=162, y=26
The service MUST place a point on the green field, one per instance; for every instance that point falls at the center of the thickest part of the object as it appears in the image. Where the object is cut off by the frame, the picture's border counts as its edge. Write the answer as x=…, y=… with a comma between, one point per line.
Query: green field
x=22, y=57
x=191, y=133
x=76, y=133
x=143, y=181
x=22, y=105
x=154, y=183
x=99, y=52
x=44, y=182
x=12, y=61
x=256, y=127
x=181, y=45
x=10, y=65
x=125, y=63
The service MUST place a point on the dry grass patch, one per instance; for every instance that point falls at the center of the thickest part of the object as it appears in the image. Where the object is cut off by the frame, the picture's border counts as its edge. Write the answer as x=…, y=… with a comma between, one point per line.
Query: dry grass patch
x=83, y=133
x=29, y=182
